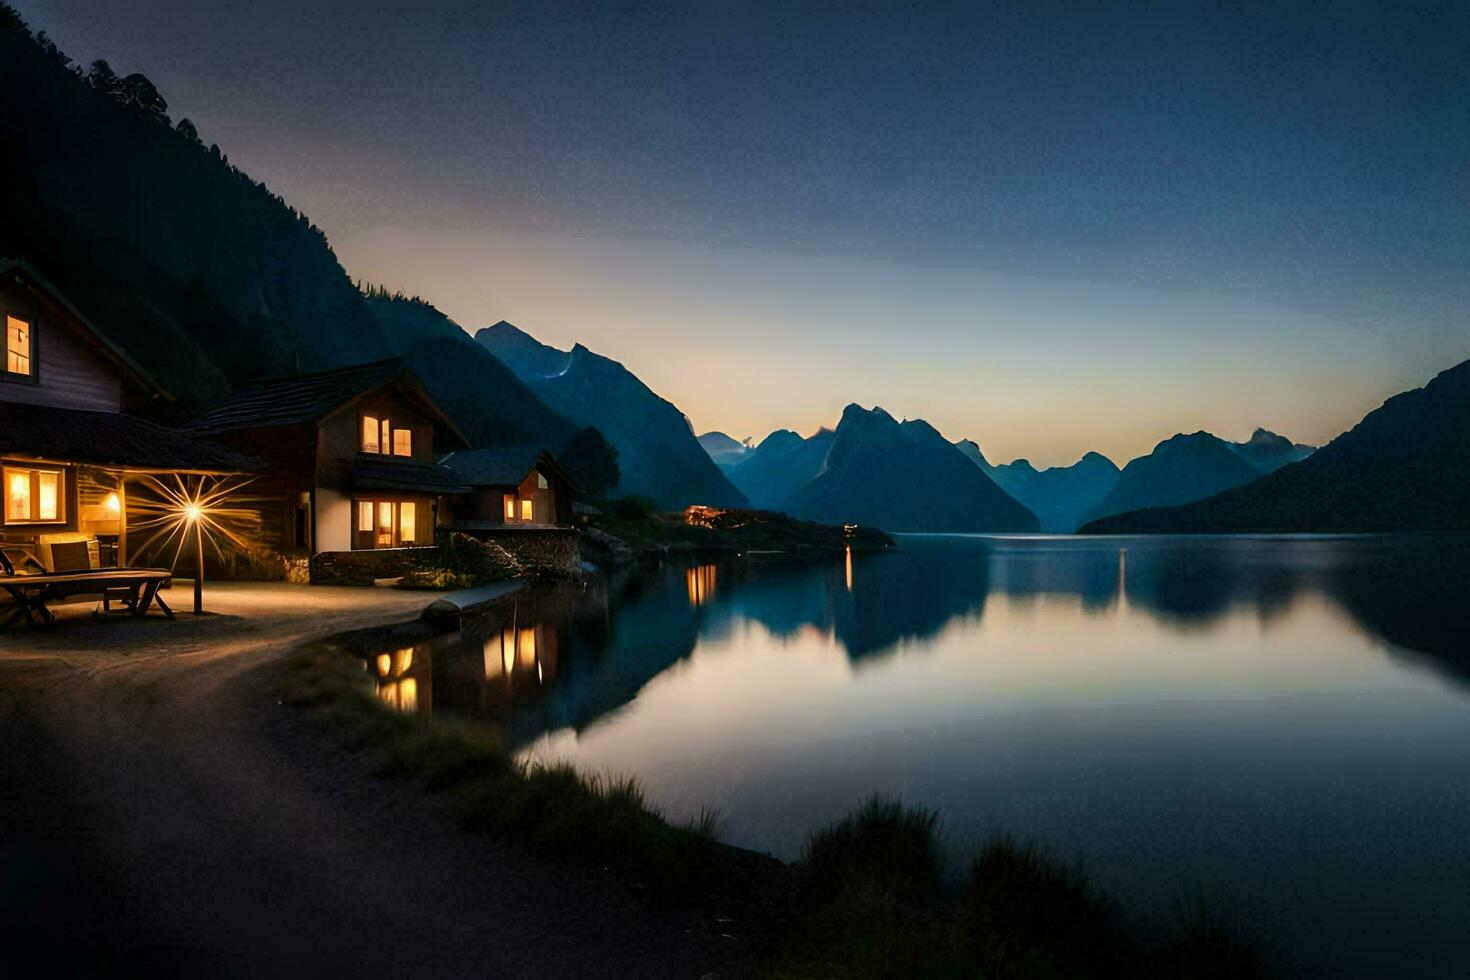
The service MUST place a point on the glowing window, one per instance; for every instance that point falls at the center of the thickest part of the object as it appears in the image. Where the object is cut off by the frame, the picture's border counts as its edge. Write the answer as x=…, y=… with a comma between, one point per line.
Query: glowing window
x=541, y=483
x=385, y=436
x=47, y=505
x=364, y=515
x=32, y=495
x=402, y=442
x=385, y=524
x=510, y=506
x=17, y=345
x=407, y=517
x=527, y=511
x=369, y=438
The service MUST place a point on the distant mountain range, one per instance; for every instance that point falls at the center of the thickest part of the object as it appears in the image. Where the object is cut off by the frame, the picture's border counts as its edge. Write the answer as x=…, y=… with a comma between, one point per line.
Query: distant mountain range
x=1404, y=467
x=658, y=454
x=876, y=471
x=721, y=448
x=1060, y=496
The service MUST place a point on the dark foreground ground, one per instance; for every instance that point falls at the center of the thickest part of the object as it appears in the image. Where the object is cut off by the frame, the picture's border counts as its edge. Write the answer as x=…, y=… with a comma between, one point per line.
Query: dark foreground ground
x=162, y=814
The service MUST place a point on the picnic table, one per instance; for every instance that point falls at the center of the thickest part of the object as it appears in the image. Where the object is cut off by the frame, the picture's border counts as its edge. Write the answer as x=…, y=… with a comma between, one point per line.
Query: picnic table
x=136, y=588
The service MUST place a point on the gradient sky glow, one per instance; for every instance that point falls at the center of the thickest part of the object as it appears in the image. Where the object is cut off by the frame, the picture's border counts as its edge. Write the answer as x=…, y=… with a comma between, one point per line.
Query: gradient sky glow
x=1048, y=227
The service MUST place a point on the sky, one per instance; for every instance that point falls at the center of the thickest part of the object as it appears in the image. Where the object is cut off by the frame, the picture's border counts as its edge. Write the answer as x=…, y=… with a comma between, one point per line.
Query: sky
x=1052, y=228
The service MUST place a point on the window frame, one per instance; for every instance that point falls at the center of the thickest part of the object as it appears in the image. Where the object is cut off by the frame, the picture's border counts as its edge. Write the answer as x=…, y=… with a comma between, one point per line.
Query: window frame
x=408, y=443
x=33, y=495
x=33, y=377
x=370, y=509
x=366, y=421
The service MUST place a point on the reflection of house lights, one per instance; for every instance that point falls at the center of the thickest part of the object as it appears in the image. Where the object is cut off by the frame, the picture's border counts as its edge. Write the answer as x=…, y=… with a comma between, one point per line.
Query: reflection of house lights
x=701, y=584
x=849, y=568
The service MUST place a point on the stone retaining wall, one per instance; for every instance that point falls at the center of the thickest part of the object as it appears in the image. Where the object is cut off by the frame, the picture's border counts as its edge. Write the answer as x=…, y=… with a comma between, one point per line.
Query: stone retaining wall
x=547, y=552
x=361, y=567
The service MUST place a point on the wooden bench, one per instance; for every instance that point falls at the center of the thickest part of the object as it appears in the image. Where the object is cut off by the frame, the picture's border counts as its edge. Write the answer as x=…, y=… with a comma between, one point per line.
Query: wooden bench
x=136, y=588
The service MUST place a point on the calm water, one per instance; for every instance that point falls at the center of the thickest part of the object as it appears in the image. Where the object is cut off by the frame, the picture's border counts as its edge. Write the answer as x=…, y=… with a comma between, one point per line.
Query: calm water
x=1283, y=722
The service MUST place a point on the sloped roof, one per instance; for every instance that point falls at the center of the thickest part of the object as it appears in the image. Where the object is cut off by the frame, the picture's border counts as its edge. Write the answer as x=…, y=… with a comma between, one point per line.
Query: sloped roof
x=499, y=466
x=19, y=270
x=108, y=439
x=372, y=474
x=310, y=397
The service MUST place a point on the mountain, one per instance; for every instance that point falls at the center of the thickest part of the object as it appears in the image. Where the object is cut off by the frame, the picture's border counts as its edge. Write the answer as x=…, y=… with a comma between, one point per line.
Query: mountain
x=1404, y=467
x=781, y=465
x=202, y=274
x=489, y=403
x=1180, y=469
x=722, y=448
x=658, y=455
x=1061, y=497
x=1268, y=452
x=903, y=477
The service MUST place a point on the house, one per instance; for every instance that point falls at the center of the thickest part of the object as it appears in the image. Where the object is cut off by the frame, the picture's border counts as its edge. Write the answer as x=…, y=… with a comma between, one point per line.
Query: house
x=349, y=457
x=513, y=487
x=69, y=453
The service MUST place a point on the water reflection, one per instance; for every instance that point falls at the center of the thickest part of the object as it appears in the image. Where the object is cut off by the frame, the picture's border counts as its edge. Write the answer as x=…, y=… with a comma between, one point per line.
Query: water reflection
x=1285, y=718
x=566, y=657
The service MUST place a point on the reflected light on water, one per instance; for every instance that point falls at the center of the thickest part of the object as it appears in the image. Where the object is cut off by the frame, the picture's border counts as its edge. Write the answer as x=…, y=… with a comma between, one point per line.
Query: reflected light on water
x=849, y=568
x=701, y=584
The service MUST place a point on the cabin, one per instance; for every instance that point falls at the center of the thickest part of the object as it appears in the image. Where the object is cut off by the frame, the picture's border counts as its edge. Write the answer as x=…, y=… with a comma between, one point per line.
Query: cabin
x=69, y=451
x=514, y=487
x=350, y=457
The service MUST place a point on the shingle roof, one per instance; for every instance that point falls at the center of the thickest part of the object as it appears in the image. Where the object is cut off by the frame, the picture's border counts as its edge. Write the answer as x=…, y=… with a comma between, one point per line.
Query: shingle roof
x=108, y=439
x=499, y=466
x=371, y=474
x=493, y=466
x=292, y=400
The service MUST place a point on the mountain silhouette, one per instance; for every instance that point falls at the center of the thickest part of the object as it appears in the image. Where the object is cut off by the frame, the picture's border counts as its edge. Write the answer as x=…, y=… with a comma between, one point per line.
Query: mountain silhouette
x=1180, y=469
x=1060, y=496
x=903, y=477
x=722, y=449
x=1268, y=452
x=658, y=455
x=782, y=464
x=1404, y=467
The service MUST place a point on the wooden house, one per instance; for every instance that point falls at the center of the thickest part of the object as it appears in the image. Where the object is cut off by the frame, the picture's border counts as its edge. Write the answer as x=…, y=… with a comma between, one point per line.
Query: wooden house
x=68, y=450
x=349, y=457
x=513, y=487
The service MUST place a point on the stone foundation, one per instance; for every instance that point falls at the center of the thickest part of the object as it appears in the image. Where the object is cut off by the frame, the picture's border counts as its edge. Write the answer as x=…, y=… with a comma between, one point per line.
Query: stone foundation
x=362, y=567
x=543, y=552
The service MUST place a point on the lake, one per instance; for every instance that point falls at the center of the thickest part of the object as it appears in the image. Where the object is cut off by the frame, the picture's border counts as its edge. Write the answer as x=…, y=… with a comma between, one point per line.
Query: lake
x=1282, y=723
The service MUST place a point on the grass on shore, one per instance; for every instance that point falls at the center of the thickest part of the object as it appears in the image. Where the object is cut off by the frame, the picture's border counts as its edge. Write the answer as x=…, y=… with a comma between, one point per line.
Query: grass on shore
x=551, y=807
x=872, y=898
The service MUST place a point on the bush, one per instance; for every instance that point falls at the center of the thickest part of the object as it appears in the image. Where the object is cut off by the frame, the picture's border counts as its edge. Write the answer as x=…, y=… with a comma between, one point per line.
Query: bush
x=634, y=508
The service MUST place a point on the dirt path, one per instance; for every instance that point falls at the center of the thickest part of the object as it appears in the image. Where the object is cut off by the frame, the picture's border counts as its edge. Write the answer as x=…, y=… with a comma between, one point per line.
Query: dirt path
x=161, y=813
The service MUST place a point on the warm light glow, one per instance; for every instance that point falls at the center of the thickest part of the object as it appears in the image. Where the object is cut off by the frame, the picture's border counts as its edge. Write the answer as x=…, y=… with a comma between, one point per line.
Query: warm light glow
x=701, y=584
x=508, y=650
x=18, y=497
x=510, y=506
x=402, y=442
x=171, y=505
x=491, y=655
x=527, y=510
x=369, y=434
x=407, y=521
x=112, y=503
x=385, y=665
x=527, y=641
x=849, y=568
x=17, y=345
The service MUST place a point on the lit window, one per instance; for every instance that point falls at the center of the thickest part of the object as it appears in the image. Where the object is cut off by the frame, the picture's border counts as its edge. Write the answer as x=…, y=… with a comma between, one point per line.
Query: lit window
x=385, y=524
x=402, y=442
x=364, y=515
x=47, y=507
x=407, y=513
x=17, y=345
x=541, y=481
x=369, y=439
x=510, y=506
x=527, y=510
x=385, y=436
x=32, y=495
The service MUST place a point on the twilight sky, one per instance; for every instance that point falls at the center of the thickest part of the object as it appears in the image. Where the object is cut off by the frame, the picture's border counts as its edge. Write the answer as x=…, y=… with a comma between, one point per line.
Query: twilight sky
x=1048, y=227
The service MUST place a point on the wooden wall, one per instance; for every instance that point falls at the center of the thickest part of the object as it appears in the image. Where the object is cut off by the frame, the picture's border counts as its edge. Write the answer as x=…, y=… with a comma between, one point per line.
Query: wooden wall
x=68, y=373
